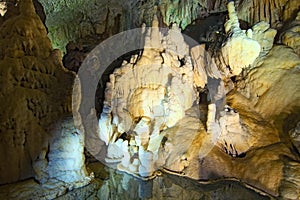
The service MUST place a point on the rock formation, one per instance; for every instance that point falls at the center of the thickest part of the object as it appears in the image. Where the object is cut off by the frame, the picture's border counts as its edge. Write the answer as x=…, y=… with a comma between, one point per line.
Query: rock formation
x=224, y=111
x=274, y=12
x=291, y=36
x=145, y=96
x=3, y=8
x=240, y=50
x=139, y=103
x=38, y=137
x=276, y=77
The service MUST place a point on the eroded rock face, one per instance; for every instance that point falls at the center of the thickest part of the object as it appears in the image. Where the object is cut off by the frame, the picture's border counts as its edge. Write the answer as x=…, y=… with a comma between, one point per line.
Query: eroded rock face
x=63, y=162
x=35, y=93
x=295, y=136
x=152, y=119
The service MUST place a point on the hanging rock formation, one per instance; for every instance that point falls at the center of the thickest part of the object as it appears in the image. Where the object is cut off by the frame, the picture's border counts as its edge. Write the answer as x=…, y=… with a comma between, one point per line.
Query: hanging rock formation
x=95, y=20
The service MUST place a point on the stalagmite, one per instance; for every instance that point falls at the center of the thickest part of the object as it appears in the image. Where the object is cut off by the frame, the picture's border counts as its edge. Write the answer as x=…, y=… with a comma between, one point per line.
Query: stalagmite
x=240, y=50
x=146, y=96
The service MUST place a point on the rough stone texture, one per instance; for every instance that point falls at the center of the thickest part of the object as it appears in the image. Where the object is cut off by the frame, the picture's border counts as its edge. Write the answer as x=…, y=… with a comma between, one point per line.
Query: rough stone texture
x=63, y=162
x=264, y=35
x=89, y=21
x=241, y=138
x=35, y=94
x=273, y=86
x=274, y=12
x=295, y=136
x=245, y=140
x=291, y=36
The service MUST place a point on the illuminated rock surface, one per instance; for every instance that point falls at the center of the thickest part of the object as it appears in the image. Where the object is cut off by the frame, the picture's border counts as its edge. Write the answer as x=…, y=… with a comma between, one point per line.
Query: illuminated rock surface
x=241, y=133
x=144, y=97
x=38, y=137
x=240, y=50
x=169, y=109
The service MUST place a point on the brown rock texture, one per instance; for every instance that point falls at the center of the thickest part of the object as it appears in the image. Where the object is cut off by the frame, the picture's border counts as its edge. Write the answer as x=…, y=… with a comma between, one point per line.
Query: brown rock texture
x=35, y=90
x=291, y=35
x=275, y=12
x=273, y=86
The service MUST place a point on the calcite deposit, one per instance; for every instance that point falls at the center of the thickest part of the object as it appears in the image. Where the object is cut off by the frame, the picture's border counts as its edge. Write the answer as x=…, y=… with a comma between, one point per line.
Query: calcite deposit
x=148, y=125
x=224, y=112
x=3, y=8
x=274, y=12
x=146, y=96
x=38, y=137
x=240, y=50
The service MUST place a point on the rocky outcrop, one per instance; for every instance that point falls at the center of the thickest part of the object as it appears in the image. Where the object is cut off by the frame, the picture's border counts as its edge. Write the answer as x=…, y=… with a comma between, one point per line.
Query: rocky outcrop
x=264, y=35
x=155, y=115
x=35, y=106
x=62, y=164
x=295, y=136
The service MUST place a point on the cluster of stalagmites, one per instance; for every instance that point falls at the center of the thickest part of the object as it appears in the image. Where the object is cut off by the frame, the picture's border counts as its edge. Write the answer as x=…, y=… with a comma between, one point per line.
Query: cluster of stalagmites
x=151, y=94
x=151, y=114
x=144, y=97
